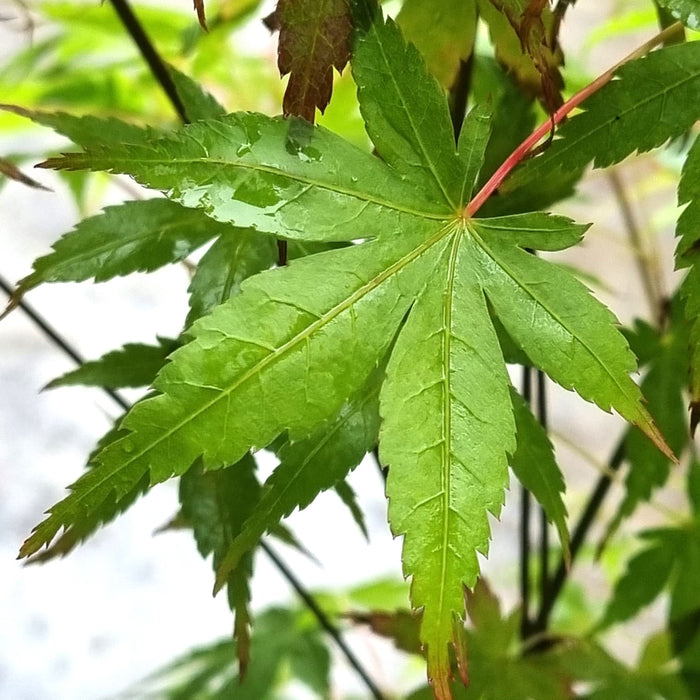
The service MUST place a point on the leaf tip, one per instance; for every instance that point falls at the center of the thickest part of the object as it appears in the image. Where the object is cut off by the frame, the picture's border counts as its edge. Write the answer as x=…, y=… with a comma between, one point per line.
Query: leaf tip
x=201, y=15
x=460, y=647
x=12, y=304
x=694, y=413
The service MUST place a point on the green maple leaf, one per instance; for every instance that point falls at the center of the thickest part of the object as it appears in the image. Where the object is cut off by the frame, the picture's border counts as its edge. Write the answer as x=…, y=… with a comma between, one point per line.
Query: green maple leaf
x=286, y=353
x=665, y=352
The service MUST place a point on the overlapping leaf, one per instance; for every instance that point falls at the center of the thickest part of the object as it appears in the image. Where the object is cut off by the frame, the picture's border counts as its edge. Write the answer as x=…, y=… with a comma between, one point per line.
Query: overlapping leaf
x=222, y=269
x=688, y=256
x=670, y=560
x=282, y=645
x=216, y=505
x=534, y=464
x=663, y=386
x=308, y=467
x=135, y=236
x=286, y=353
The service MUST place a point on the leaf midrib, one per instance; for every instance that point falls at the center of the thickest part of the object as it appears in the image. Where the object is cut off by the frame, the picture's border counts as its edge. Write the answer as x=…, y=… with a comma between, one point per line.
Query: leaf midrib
x=426, y=153
x=361, y=196
x=446, y=475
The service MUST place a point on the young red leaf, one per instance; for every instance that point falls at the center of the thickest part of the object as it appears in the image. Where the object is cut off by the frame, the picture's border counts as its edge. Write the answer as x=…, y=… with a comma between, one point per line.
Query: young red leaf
x=314, y=38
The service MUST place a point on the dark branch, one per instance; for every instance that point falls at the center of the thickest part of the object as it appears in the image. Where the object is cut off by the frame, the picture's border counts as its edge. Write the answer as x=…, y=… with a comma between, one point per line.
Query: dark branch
x=525, y=500
x=544, y=525
x=151, y=56
x=580, y=533
x=323, y=620
x=52, y=334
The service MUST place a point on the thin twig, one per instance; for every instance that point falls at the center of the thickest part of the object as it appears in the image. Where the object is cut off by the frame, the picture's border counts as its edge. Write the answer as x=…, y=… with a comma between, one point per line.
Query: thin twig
x=650, y=283
x=151, y=56
x=525, y=500
x=323, y=620
x=579, y=535
x=544, y=524
x=525, y=148
x=51, y=333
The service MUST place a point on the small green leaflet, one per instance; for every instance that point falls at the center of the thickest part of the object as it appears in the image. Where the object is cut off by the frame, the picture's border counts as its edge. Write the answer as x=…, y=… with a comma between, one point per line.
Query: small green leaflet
x=663, y=387
x=347, y=495
x=687, y=254
x=231, y=259
x=283, y=644
x=646, y=576
x=131, y=237
x=134, y=365
x=534, y=464
x=670, y=560
x=198, y=103
x=216, y=505
x=287, y=353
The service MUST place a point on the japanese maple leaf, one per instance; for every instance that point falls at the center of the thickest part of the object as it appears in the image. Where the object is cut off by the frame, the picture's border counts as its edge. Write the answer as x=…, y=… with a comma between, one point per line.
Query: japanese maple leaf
x=301, y=349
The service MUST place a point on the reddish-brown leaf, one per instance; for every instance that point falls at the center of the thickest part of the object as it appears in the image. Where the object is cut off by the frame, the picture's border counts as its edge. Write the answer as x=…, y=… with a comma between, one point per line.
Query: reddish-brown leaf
x=314, y=38
x=534, y=26
x=201, y=16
